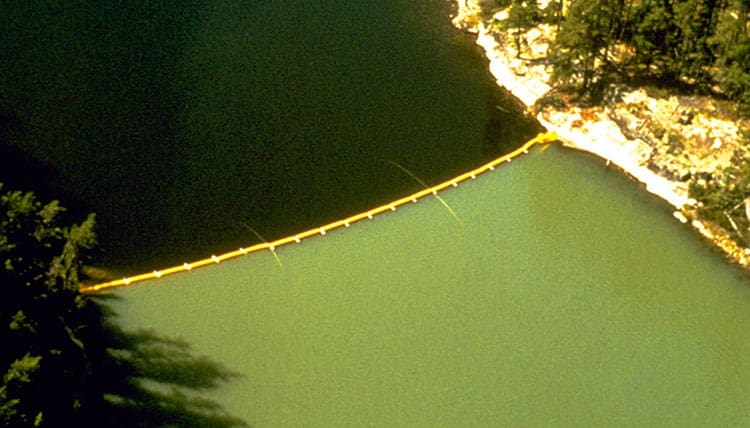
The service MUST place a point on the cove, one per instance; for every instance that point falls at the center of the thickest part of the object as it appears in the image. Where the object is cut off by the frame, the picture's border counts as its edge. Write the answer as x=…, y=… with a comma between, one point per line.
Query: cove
x=566, y=296
x=183, y=124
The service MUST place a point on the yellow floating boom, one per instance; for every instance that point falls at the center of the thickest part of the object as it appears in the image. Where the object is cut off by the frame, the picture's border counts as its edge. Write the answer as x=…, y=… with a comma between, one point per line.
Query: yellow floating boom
x=543, y=138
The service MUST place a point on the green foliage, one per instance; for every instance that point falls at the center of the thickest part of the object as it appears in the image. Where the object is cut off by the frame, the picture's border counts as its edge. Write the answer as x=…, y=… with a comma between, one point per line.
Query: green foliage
x=675, y=144
x=62, y=365
x=731, y=41
x=698, y=44
x=658, y=130
x=20, y=371
x=552, y=14
x=696, y=20
x=723, y=198
x=41, y=313
x=77, y=238
x=654, y=34
x=488, y=8
x=18, y=383
x=550, y=100
x=584, y=41
x=523, y=15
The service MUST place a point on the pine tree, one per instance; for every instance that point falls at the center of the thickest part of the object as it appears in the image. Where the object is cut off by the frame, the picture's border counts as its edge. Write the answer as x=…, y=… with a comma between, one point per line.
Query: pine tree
x=523, y=14
x=696, y=20
x=45, y=366
x=584, y=41
x=731, y=44
x=656, y=37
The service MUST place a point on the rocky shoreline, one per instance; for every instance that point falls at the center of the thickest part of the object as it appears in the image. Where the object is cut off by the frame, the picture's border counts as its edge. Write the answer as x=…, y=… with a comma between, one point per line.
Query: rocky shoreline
x=664, y=142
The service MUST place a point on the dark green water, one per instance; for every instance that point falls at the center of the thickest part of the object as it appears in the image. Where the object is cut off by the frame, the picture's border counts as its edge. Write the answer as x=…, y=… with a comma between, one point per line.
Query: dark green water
x=565, y=297
x=180, y=122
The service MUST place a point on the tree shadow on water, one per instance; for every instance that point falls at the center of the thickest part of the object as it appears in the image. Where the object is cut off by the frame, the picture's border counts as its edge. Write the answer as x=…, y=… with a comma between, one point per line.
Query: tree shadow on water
x=148, y=380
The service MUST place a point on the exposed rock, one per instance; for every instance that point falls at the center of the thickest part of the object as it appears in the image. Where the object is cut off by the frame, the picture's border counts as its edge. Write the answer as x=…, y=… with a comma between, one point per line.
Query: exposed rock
x=664, y=142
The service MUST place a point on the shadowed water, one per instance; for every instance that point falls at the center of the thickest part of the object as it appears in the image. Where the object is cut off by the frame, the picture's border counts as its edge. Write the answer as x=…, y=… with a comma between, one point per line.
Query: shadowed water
x=178, y=121
x=566, y=296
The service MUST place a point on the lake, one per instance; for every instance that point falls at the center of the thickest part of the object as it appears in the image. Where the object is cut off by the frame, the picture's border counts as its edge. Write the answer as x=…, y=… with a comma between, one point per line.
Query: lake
x=563, y=295
x=190, y=126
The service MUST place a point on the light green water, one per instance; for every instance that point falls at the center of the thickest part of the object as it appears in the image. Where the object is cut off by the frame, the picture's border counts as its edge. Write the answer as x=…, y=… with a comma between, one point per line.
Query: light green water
x=567, y=297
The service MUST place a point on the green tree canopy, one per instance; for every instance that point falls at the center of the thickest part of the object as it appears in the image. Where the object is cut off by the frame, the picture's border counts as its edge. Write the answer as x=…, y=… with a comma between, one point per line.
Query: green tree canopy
x=522, y=15
x=584, y=41
x=42, y=316
x=699, y=44
x=62, y=364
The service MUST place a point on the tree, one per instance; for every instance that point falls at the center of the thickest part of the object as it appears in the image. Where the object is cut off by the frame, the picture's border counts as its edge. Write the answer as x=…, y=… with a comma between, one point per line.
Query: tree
x=16, y=385
x=61, y=363
x=554, y=12
x=698, y=45
x=655, y=35
x=731, y=42
x=584, y=41
x=42, y=316
x=724, y=198
x=696, y=20
x=522, y=15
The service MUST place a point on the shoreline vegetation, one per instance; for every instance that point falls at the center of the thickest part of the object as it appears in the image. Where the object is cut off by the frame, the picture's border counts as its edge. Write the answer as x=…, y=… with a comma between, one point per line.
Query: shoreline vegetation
x=678, y=146
x=64, y=362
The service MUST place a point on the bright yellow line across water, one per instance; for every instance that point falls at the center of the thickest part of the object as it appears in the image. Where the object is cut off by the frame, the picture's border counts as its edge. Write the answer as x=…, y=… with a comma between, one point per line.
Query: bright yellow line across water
x=543, y=138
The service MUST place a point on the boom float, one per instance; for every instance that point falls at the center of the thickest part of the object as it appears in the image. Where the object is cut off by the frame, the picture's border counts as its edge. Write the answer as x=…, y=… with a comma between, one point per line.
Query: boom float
x=543, y=138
